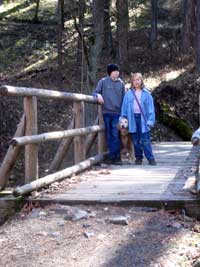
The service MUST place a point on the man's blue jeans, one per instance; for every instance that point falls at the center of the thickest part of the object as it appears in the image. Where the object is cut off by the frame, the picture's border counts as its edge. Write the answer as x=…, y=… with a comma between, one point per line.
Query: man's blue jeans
x=141, y=141
x=112, y=135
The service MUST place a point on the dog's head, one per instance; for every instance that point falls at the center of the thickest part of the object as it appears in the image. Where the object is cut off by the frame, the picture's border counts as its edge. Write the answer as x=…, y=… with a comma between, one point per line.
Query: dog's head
x=123, y=123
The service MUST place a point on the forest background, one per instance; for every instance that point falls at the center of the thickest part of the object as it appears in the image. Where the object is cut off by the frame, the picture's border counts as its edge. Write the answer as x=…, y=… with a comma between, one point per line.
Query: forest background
x=66, y=45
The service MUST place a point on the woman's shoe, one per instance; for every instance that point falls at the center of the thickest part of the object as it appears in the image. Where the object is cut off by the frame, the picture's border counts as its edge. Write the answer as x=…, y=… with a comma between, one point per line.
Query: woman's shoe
x=152, y=162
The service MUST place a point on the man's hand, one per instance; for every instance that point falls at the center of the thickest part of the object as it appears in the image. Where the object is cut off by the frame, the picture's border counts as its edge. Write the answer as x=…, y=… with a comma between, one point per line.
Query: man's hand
x=100, y=98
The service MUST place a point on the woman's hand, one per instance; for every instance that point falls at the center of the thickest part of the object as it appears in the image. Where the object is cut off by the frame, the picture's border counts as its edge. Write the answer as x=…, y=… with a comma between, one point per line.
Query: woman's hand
x=150, y=126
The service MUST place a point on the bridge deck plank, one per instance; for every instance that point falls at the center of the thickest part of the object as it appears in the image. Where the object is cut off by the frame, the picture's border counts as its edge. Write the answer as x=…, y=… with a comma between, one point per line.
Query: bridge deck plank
x=176, y=163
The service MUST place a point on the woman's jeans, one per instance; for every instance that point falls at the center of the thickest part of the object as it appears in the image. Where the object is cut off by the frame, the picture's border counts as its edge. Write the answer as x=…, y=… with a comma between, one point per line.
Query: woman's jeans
x=141, y=141
x=112, y=135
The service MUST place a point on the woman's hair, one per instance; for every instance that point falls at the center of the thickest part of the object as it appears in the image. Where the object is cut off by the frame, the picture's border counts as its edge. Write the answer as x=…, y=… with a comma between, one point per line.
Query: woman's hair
x=137, y=75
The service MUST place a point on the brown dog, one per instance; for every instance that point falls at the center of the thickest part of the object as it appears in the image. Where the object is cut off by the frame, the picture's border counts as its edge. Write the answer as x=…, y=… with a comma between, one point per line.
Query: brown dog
x=126, y=144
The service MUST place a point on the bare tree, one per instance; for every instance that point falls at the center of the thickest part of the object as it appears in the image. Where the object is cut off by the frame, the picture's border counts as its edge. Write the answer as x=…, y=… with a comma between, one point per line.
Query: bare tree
x=154, y=12
x=35, y=19
x=108, y=40
x=93, y=46
x=80, y=25
x=189, y=25
x=97, y=46
x=122, y=33
x=198, y=35
x=59, y=43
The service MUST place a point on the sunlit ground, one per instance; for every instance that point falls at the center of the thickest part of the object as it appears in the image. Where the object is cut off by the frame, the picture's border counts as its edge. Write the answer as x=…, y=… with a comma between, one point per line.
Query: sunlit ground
x=8, y=6
x=22, y=9
x=153, y=80
x=176, y=247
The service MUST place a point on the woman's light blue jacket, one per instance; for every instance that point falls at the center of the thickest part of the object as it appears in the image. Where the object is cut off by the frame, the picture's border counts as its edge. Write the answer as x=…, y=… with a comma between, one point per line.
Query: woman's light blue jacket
x=147, y=106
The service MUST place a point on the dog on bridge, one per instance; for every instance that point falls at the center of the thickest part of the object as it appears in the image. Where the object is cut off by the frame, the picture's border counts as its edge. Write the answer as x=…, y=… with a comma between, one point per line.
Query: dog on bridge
x=127, y=150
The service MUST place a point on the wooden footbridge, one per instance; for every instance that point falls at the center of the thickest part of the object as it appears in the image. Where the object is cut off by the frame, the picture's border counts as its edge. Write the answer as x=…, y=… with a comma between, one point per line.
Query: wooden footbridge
x=172, y=183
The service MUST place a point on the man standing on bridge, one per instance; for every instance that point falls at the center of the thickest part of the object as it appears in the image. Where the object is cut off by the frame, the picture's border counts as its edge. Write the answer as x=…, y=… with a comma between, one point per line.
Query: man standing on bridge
x=110, y=91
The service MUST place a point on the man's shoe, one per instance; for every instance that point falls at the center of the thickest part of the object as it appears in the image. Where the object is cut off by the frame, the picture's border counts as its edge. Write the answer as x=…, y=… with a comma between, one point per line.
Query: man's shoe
x=107, y=160
x=138, y=162
x=152, y=162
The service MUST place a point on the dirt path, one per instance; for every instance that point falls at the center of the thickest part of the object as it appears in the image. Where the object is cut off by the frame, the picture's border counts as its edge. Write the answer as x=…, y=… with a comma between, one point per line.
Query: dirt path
x=50, y=237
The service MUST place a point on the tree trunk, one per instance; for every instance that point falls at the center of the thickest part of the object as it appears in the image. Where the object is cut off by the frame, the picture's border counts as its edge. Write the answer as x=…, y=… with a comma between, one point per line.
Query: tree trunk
x=198, y=35
x=122, y=34
x=35, y=19
x=93, y=49
x=59, y=45
x=62, y=14
x=96, y=48
x=188, y=27
x=108, y=40
x=80, y=48
x=153, y=35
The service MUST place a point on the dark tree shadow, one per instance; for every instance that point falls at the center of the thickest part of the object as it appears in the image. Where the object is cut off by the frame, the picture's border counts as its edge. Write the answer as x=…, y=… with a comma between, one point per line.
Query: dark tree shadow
x=146, y=245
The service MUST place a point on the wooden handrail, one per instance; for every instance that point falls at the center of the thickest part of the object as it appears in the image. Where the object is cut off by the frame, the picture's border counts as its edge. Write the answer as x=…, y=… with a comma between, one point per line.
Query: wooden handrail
x=30, y=139
x=7, y=90
x=41, y=138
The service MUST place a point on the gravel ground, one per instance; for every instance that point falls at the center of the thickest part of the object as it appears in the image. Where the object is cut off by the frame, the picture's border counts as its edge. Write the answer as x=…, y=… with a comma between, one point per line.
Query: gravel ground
x=143, y=237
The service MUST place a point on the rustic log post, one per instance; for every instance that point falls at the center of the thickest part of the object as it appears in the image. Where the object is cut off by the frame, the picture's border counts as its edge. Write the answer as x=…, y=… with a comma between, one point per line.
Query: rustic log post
x=79, y=122
x=62, y=150
x=11, y=156
x=31, y=151
x=198, y=175
x=101, y=135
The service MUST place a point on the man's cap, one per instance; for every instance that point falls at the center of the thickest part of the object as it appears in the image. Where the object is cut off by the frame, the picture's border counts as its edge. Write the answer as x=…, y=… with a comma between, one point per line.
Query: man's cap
x=112, y=67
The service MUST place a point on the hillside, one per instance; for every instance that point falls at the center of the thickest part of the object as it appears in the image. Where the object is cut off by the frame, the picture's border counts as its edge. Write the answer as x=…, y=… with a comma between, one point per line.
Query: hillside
x=28, y=57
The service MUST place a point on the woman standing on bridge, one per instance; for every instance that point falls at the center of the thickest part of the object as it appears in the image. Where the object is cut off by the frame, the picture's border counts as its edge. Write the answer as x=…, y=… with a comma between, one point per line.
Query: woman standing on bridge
x=138, y=108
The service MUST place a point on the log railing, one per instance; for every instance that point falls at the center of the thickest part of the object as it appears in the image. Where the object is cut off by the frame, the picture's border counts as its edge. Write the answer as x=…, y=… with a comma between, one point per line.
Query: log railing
x=27, y=135
x=196, y=142
x=198, y=176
